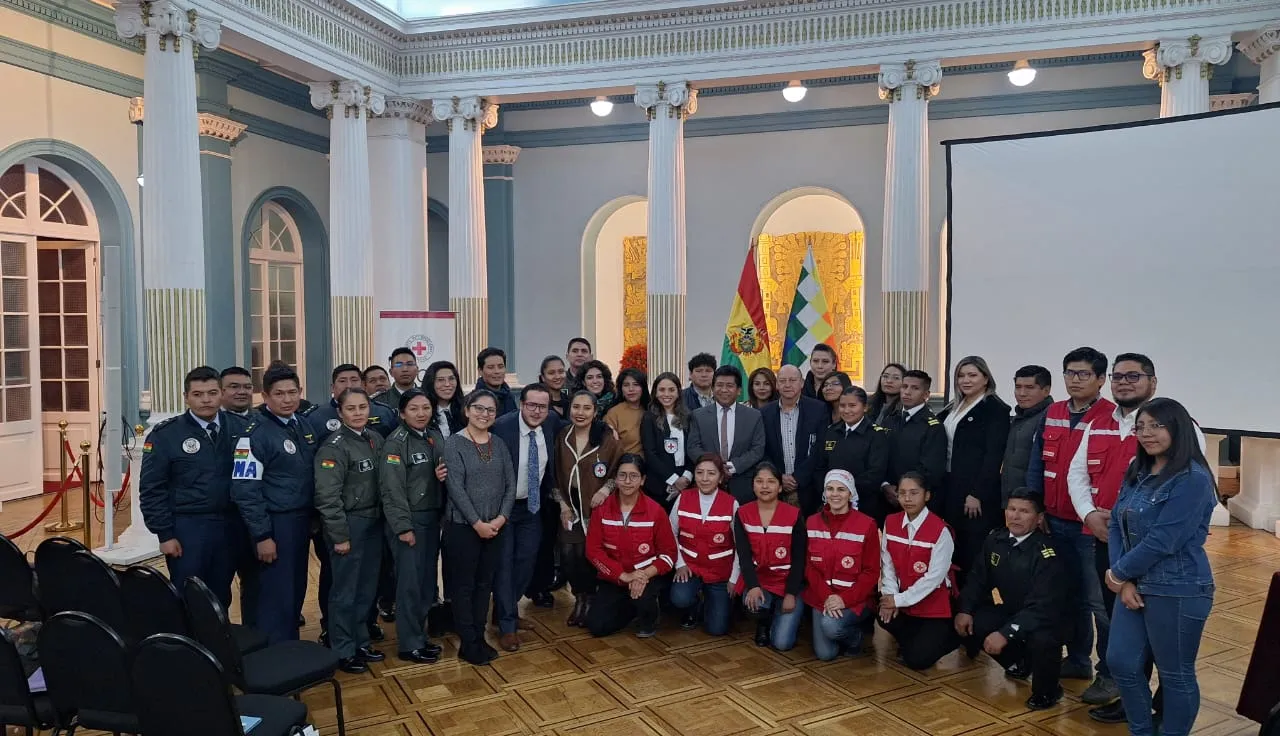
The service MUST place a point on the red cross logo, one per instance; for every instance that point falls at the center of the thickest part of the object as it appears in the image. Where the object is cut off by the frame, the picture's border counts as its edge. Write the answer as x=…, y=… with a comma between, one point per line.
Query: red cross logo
x=418, y=348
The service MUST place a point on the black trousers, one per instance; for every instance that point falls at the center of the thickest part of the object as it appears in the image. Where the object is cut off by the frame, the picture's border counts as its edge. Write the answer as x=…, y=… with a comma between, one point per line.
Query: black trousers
x=579, y=570
x=613, y=608
x=544, y=569
x=922, y=641
x=1102, y=562
x=1040, y=649
x=474, y=563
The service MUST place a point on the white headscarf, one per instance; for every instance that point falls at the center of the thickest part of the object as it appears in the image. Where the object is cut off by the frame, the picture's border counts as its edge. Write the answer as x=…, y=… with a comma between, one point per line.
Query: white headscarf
x=844, y=478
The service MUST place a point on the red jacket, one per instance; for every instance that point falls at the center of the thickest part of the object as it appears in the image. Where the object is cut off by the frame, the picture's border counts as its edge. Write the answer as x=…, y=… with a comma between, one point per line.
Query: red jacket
x=706, y=544
x=844, y=559
x=770, y=546
x=1109, y=458
x=615, y=546
x=1059, y=443
x=911, y=561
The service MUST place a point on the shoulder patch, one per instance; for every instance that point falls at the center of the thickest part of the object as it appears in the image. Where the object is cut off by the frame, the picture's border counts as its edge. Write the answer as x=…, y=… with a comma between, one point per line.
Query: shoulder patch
x=1047, y=552
x=146, y=447
x=244, y=465
x=328, y=464
x=393, y=459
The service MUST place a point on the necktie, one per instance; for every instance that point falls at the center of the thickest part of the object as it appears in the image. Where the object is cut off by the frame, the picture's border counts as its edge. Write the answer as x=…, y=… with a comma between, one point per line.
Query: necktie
x=534, y=501
x=724, y=434
x=212, y=429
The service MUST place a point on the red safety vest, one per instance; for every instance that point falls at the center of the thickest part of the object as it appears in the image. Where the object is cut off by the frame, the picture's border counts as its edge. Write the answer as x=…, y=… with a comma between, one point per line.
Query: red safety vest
x=615, y=545
x=1059, y=443
x=770, y=545
x=706, y=543
x=837, y=554
x=911, y=561
x=1109, y=458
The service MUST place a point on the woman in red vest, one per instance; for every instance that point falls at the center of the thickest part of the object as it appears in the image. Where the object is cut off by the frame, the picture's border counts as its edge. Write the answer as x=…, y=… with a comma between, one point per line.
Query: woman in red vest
x=770, y=538
x=916, y=584
x=702, y=520
x=841, y=570
x=630, y=543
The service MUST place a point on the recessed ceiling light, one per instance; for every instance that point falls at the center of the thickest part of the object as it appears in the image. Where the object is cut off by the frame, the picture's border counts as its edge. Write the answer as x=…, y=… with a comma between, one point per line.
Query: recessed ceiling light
x=1022, y=74
x=794, y=92
x=601, y=106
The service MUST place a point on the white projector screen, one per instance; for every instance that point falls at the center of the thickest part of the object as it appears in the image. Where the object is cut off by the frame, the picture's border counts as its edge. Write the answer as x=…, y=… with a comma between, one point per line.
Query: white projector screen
x=1159, y=237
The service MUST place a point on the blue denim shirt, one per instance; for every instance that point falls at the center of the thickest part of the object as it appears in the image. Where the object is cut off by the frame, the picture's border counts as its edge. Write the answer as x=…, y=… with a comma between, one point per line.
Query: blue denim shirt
x=1157, y=533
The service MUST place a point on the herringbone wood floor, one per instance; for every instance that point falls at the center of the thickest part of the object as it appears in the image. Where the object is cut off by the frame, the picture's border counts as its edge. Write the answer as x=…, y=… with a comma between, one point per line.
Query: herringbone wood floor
x=689, y=684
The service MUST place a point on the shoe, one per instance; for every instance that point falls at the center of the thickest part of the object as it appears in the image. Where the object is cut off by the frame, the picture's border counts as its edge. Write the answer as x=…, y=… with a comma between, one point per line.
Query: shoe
x=352, y=665
x=419, y=656
x=323, y=638
x=369, y=654
x=488, y=650
x=647, y=632
x=432, y=648
x=690, y=620
x=543, y=600
x=1044, y=702
x=475, y=656
x=509, y=642
x=1109, y=713
x=302, y=621
x=577, y=617
x=1071, y=671
x=762, y=631
x=1102, y=691
x=387, y=612
x=559, y=582
x=376, y=633
x=1018, y=671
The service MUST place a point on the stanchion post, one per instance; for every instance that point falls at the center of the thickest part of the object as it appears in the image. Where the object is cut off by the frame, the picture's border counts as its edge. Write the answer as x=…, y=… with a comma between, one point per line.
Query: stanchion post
x=64, y=523
x=86, y=501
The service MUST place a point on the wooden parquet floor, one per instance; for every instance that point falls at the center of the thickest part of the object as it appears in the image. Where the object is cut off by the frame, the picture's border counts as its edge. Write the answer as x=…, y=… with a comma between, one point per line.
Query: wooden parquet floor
x=689, y=684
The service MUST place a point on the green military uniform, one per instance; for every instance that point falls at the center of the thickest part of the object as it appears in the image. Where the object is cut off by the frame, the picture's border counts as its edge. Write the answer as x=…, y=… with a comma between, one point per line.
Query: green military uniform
x=413, y=499
x=350, y=509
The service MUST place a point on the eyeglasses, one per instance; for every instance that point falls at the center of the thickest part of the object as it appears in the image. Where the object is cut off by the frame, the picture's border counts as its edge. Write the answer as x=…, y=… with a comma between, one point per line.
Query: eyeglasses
x=535, y=407
x=1130, y=377
x=404, y=364
x=1079, y=375
x=1147, y=428
x=484, y=409
x=629, y=476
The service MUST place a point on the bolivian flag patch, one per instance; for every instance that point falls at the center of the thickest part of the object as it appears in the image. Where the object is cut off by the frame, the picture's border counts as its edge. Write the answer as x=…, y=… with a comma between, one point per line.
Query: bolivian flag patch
x=146, y=447
x=241, y=453
x=393, y=459
x=328, y=464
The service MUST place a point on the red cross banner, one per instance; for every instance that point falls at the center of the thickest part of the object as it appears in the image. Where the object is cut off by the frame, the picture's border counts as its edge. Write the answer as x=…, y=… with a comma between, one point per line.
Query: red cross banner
x=430, y=335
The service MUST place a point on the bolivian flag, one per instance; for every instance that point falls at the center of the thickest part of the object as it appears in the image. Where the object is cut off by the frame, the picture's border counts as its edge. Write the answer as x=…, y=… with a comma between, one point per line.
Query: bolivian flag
x=746, y=338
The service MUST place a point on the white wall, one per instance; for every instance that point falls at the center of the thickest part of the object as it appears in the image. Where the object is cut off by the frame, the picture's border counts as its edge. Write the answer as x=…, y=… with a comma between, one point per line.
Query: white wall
x=813, y=212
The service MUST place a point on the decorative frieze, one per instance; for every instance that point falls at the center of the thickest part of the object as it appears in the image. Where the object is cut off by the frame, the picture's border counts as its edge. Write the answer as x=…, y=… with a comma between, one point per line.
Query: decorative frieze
x=213, y=126
x=166, y=24
x=1262, y=45
x=1231, y=102
x=925, y=77
x=408, y=109
x=505, y=155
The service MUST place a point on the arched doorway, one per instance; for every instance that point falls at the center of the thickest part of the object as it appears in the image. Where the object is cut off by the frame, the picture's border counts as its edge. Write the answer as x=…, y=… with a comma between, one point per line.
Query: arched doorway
x=820, y=220
x=613, y=266
x=50, y=341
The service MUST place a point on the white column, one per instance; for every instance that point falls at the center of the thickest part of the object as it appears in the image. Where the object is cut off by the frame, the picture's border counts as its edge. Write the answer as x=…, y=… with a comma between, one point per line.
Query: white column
x=467, y=117
x=172, y=222
x=398, y=183
x=666, y=106
x=349, y=104
x=1263, y=49
x=1183, y=67
x=905, y=266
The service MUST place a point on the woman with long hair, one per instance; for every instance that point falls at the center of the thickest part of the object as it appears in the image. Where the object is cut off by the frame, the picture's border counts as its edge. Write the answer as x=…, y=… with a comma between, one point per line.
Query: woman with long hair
x=554, y=375
x=662, y=435
x=482, y=491
x=762, y=387
x=886, y=400
x=596, y=378
x=831, y=390
x=629, y=409
x=1159, y=569
x=441, y=385
x=586, y=456
x=770, y=538
x=702, y=521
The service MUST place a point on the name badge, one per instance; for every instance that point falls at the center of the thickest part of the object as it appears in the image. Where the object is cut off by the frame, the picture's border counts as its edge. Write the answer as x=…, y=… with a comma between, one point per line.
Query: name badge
x=364, y=466
x=417, y=458
x=600, y=469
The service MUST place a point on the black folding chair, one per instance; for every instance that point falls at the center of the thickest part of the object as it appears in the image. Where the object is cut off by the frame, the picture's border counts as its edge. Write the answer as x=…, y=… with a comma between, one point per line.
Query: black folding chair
x=18, y=600
x=54, y=577
x=287, y=668
x=18, y=705
x=86, y=668
x=151, y=603
x=189, y=694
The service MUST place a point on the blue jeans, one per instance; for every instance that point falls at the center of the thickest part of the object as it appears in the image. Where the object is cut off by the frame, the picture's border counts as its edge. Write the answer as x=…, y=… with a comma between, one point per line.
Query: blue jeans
x=1076, y=548
x=1168, y=629
x=785, y=626
x=831, y=634
x=517, y=556
x=716, y=608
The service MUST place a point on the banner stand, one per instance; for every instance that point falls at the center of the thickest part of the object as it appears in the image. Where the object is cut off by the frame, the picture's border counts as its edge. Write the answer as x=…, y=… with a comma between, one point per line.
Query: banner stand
x=429, y=335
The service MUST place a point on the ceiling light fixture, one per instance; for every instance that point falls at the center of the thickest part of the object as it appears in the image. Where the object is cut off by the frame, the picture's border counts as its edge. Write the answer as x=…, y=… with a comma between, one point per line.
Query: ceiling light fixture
x=601, y=106
x=1022, y=74
x=794, y=91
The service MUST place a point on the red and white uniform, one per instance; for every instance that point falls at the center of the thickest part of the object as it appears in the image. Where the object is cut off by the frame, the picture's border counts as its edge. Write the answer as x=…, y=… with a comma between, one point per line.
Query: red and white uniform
x=843, y=559
x=1059, y=443
x=770, y=545
x=915, y=564
x=705, y=540
x=616, y=545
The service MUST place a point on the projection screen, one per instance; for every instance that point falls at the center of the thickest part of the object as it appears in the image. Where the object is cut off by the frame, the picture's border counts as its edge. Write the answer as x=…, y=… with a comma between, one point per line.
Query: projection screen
x=1159, y=237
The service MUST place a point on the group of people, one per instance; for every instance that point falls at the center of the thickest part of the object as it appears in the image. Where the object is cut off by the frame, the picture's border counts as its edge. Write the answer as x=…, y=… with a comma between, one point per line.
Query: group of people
x=642, y=496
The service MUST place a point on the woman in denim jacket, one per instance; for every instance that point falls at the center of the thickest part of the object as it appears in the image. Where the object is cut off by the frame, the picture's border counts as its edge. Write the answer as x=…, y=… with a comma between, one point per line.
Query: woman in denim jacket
x=1159, y=570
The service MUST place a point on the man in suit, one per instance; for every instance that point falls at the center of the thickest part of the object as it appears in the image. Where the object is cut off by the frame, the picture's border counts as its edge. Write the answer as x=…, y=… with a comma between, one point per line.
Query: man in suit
x=728, y=424
x=702, y=368
x=917, y=440
x=792, y=427
x=530, y=436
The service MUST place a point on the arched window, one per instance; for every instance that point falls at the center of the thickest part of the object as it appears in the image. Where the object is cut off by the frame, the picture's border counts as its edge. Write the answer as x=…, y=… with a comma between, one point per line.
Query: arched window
x=275, y=291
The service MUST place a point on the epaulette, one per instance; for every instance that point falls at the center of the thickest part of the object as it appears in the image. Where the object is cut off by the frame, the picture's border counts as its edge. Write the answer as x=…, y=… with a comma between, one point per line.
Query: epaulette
x=1047, y=552
x=399, y=433
x=307, y=411
x=335, y=438
x=252, y=424
x=166, y=423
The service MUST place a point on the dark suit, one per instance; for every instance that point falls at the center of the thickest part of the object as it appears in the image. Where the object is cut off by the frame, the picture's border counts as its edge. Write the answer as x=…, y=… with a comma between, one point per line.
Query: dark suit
x=521, y=541
x=864, y=452
x=660, y=464
x=977, y=450
x=748, y=444
x=918, y=444
x=692, y=401
x=809, y=428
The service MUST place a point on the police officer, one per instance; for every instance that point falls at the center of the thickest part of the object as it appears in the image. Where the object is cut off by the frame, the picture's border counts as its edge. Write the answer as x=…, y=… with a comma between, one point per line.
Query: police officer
x=917, y=441
x=854, y=444
x=346, y=471
x=185, y=488
x=411, y=478
x=404, y=375
x=1013, y=602
x=273, y=485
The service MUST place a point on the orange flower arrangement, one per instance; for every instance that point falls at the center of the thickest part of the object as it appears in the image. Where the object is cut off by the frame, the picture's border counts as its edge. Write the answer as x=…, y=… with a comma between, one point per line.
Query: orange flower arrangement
x=636, y=356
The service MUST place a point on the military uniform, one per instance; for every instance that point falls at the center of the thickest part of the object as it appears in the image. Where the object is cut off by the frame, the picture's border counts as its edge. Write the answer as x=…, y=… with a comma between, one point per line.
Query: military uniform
x=324, y=418
x=273, y=485
x=412, y=500
x=918, y=443
x=1019, y=590
x=185, y=494
x=346, y=476
x=864, y=452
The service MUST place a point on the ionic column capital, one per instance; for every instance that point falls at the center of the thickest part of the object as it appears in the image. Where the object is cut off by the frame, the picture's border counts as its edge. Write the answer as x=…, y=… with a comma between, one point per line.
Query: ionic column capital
x=407, y=108
x=213, y=126
x=1167, y=59
x=474, y=112
x=679, y=98
x=167, y=23
x=505, y=155
x=353, y=98
x=1261, y=45
x=924, y=76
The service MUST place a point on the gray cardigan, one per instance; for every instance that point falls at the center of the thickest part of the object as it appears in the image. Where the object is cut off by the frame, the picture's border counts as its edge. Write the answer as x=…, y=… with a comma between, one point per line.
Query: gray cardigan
x=478, y=490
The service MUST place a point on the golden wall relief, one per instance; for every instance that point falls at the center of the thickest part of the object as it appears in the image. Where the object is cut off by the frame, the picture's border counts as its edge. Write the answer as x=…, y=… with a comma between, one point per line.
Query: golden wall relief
x=635, y=266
